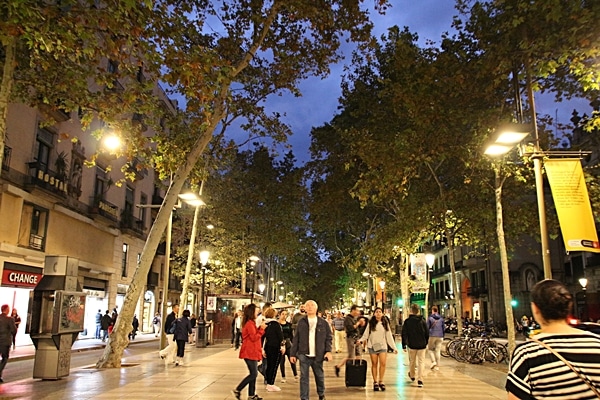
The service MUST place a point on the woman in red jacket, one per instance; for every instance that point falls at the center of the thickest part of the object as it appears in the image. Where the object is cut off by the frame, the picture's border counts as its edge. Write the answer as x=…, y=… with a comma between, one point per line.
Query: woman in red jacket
x=251, y=351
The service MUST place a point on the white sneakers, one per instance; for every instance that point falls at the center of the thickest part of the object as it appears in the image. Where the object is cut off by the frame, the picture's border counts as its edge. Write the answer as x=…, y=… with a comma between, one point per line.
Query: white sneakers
x=283, y=380
x=434, y=367
x=273, y=388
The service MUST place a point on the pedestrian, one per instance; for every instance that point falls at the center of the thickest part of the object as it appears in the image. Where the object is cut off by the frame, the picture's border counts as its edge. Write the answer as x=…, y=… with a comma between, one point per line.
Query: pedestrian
x=300, y=314
x=7, y=330
x=340, y=333
x=288, y=335
x=237, y=327
x=156, y=324
x=194, y=323
x=259, y=321
x=171, y=349
x=183, y=329
x=436, y=325
x=273, y=348
x=105, y=323
x=352, y=325
x=98, y=325
x=15, y=316
x=135, y=324
x=561, y=362
x=312, y=345
x=378, y=336
x=251, y=352
x=415, y=336
x=114, y=315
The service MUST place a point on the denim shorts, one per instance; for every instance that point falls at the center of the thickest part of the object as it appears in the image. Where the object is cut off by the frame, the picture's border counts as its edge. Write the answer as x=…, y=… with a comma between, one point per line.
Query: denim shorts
x=371, y=351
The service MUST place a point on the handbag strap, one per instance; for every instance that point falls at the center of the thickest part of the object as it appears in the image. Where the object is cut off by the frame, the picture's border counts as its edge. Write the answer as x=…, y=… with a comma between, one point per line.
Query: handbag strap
x=561, y=358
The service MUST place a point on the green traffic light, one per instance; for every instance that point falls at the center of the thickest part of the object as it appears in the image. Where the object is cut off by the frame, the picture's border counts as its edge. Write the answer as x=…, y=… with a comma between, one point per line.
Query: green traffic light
x=514, y=303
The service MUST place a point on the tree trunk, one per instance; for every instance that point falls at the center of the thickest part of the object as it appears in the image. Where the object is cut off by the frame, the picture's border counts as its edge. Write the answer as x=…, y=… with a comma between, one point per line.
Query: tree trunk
x=455, y=283
x=404, y=288
x=117, y=341
x=504, y=263
x=8, y=76
x=190, y=259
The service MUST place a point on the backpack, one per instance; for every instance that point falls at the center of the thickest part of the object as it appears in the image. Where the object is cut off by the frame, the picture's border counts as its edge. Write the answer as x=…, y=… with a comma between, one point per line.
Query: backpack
x=155, y=320
x=173, y=327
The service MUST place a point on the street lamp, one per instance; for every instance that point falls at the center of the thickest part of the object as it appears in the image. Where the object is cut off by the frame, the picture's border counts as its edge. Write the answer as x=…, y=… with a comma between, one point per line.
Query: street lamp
x=382, y=287
x=252, y=260
x=261, y=288
x=430, y=260
x=583, y=282
x=201, y=340
x=508, y=136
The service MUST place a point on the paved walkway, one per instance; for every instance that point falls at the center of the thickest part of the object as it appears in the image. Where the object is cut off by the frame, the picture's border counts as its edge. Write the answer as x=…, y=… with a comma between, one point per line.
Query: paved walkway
x=210, y=374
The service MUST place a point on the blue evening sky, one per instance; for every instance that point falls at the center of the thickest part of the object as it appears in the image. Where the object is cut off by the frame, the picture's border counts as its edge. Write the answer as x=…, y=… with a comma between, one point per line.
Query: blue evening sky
x=319, y=101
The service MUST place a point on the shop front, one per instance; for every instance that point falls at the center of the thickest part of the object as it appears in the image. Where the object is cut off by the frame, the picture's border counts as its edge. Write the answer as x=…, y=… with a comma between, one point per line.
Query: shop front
x=18, y=281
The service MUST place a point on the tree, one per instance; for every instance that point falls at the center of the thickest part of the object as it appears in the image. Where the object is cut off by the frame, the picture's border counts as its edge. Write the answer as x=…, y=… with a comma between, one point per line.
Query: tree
x=225, y=58
x=53, y=50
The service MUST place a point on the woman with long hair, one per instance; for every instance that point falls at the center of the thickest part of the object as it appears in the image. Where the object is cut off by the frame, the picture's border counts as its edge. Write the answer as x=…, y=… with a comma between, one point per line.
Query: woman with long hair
x=561, y=362
x=250, y=352
x=378, y=337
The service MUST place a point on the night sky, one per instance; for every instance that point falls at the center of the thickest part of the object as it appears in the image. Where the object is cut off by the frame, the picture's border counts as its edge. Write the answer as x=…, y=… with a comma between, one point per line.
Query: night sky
x=319, y=101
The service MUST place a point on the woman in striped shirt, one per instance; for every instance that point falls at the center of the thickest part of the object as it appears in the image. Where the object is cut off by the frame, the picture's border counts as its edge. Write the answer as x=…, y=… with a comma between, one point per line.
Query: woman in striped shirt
x=536, y=373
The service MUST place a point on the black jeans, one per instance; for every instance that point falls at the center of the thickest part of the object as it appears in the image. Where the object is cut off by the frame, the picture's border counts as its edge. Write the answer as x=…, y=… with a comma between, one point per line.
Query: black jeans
x=4, y=351
x=180, y=347
x=282, y=364
x=273, y=356
x=249, y=380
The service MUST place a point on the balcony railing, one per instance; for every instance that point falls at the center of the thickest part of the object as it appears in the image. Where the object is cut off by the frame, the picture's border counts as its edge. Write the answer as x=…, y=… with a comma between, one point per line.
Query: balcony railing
x=6, y=158
x=36, y=242
x=128, y=221
x=44, y=178
x=105, y=209
x=477, y=291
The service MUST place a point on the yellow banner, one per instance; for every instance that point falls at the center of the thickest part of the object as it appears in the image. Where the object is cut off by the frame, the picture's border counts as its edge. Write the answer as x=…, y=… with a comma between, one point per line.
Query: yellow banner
x=572, y=204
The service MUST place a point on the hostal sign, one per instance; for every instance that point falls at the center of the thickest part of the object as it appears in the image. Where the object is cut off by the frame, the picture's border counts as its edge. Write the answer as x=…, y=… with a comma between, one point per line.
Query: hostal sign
x=20, y=278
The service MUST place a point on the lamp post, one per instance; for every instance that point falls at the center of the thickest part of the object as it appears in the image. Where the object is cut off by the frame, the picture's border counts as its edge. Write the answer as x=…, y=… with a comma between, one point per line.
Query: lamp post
x=508, y=137
x=583, y=282
x=261, y=288
x=430, y=260
x=252, y=261
x=382, y=286
x=201, y=339
x=166, y=266
x=275, y=289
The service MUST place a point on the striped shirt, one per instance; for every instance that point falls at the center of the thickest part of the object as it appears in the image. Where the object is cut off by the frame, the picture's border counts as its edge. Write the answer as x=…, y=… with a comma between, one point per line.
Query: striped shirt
x=536, y=373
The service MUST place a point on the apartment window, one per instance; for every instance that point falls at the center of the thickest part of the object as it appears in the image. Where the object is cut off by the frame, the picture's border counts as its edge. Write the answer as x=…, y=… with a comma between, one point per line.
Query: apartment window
x=124, y=260
x=100, y=184
x=32, y=231
x=43, y=146
x=129, y=196
x=113, y=67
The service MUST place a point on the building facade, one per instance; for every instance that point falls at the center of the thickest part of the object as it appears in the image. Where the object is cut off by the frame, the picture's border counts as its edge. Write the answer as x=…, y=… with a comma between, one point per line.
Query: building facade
x=53, y=203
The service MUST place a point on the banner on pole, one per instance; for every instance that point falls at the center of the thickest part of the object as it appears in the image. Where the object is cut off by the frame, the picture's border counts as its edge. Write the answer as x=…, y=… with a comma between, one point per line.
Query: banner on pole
x=418, y=268
x=572, y=204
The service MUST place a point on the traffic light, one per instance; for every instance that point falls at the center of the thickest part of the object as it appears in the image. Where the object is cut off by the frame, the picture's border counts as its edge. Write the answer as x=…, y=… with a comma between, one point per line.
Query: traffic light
x=400, y=302
x=514, y=303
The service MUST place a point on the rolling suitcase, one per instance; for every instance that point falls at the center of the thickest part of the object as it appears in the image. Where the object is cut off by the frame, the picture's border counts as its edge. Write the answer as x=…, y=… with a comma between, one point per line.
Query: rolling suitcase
x=356, y=372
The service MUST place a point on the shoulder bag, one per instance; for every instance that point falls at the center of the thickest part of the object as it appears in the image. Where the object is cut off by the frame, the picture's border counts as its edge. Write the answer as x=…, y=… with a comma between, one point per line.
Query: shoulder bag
x=561, y=358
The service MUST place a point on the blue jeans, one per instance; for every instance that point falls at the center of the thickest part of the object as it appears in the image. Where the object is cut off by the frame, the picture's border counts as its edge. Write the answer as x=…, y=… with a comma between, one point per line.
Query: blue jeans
x=317, y=367
x=98, y=329
x=249, y=380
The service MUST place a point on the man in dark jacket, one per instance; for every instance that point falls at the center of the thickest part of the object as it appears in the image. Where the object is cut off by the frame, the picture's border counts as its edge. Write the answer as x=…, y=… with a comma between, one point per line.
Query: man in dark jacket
x=436, y=326
x=352, y=327
x=7, y=330
x=415, y=336
x=311, y=345
x=104, y=324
